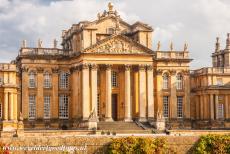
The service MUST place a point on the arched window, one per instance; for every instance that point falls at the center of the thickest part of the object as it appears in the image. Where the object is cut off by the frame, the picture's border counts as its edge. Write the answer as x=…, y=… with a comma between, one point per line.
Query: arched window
x=179, y=82
x=64, y=80
x=32, y=79
x=165, y=81
x=114, y=79
x=47, y=80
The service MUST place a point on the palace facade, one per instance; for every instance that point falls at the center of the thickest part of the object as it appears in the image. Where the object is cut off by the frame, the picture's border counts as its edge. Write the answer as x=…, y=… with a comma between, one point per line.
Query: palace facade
x=108, y=71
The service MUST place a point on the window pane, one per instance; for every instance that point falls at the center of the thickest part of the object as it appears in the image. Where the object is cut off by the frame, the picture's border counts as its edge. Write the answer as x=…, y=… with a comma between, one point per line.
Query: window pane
x=47, y=80
x=166, y=106
x=32, y=107
x=179, y=82
x=114, y=79
x=63, y=107
x=165, y=81
x=47, y=107
x=64, y=80
x=32, y=80
x=220, y=110
x=179, y=106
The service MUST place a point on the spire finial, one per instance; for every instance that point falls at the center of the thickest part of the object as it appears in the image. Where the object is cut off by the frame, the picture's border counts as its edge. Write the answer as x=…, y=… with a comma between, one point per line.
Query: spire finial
x=158, y=45
x=217, y=44
x=171, y=46
x=228, y=41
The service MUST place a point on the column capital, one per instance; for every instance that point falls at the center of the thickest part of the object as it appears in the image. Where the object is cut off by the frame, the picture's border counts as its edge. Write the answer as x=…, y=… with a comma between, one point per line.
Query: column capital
x=108, y=66
x=149, y=67
x=84, y=66
x=94, y=67
x=55, y=70
x=24, y=69
x=141, y=67
x=127, y=67
x=40, y=69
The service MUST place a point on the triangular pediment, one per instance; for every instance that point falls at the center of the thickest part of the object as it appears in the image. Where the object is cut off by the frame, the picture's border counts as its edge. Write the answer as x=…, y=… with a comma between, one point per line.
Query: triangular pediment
x=118, y=44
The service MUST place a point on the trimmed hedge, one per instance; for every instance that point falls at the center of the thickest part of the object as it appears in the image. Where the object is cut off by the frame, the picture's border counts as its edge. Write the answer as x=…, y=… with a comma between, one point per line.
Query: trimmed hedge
x=137, y=145
x=213, y=144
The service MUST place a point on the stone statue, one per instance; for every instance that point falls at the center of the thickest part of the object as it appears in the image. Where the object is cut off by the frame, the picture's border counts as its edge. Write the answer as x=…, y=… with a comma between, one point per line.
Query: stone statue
x=39, y=43
x=20, y=117
x=171, y=46
x=98, y=16
x=185, y=46
x=55, y=43
x=24, y=44
x=158, y=46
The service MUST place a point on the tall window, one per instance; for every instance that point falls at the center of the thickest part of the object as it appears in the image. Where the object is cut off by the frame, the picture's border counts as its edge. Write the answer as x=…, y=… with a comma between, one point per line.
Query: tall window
x=166, y=106
x=32, y=79
x=220, y=110
x=47, y=80
x=46, y=107
x=98, y=104
x=179, y=106
x=0, y=110
x=63, y=107
x=64, y=80
x=32, y=106
x=165, y=81
x=179, y=84
x=114, y=79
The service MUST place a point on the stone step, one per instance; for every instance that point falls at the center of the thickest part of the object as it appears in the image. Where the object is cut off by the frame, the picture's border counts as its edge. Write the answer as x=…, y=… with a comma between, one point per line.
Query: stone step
x=118, y=126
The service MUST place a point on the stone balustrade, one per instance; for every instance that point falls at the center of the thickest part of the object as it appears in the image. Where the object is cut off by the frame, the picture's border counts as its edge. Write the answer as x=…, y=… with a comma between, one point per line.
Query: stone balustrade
x=172, y=54
x=7, y=67
x=42, y=51
x=211, y=70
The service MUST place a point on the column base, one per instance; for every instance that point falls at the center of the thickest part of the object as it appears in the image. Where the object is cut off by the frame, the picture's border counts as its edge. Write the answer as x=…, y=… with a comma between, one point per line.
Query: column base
x=109, y=119
x=9, y=126
x=142, y=119
x=128, y=119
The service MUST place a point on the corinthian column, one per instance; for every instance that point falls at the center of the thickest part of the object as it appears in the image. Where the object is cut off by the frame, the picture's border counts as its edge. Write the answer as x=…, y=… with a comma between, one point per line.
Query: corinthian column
x=127, y=94
x=5, y=117
x=150, y=98
x=142, y=93
x=108, y=92
x=94, y=87
x=85, y=92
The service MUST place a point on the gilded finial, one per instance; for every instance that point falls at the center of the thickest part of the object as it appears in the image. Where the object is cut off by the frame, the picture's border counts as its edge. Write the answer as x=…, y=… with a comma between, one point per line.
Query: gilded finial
x=185, y=46
x=171, y=46
x=158, y=45
x=110, y=7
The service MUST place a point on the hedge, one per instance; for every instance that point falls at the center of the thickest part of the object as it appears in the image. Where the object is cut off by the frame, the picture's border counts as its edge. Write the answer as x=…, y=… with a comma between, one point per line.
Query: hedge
x=216, y=144
x=137, y=145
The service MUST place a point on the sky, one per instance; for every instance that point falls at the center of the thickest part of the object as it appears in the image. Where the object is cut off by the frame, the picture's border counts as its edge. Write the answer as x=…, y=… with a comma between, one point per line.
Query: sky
x=197, y=22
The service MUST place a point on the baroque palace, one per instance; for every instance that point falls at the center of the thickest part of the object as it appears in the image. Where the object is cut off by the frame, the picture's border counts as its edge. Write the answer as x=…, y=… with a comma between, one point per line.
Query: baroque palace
x=107, y=71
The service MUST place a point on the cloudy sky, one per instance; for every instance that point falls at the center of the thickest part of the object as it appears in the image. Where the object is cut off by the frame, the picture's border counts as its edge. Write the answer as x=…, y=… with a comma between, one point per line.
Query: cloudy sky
x=197, y=22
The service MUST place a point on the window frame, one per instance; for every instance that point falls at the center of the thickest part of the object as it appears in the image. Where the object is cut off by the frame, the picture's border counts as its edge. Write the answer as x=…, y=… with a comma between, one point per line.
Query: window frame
x=32, y=79
x=180, y=100
x=47, y=108
x=32, y=107
x=64, y=80
x=63, y=106
x=47, y=80
x=179, y=81
x=165, y=84
x=114, y=79
x=166, y=106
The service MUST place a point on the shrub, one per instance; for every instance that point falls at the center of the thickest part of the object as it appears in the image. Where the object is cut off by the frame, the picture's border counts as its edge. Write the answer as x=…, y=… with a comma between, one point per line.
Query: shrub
x=213, y=144
x=137, y=145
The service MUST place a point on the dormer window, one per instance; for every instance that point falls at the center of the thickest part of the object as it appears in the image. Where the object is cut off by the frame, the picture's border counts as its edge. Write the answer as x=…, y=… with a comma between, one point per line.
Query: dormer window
x=110, y=30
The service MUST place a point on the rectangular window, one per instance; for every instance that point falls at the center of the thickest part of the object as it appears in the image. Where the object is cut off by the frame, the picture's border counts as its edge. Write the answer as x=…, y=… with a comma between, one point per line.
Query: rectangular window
x=32, y=80
x=32, y=106
x=46, y=107
x=64, y=80
x=63, y=107
x=47, y=80
x=0, y=111
x=179, y=106
x=166, y=106
x=220, y=111
x=114, y=79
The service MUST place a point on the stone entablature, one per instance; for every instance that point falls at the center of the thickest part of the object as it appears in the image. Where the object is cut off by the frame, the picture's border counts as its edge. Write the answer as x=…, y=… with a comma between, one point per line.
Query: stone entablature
x=211, y=70
x=7, y=67
x=172, y=55
x=42, y=51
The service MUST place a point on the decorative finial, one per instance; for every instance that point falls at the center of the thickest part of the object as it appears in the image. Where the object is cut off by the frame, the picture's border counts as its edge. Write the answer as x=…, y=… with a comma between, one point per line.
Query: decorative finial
x=228, y=41
x=110, y=7
x=98, y=16
x=55, y=43
x=217, y=44
x=39, y=43
x=158, y=45
x=185, y=46
x=171, y=46
x=24, y=44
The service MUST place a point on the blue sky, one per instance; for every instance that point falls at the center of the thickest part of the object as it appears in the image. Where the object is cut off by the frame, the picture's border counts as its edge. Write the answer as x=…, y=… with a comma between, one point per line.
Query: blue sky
x=197, y=22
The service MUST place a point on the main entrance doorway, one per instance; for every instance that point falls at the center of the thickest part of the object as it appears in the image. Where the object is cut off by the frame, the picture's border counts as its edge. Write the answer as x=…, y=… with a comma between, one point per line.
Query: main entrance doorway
x=114, y=106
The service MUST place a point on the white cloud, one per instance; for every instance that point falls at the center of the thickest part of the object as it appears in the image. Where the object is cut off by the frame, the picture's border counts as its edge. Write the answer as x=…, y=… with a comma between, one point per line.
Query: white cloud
x=197, y=22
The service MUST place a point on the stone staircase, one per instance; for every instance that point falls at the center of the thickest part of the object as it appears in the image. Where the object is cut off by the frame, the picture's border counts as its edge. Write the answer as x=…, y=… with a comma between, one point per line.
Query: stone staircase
x=122, y=127
x=118, y=125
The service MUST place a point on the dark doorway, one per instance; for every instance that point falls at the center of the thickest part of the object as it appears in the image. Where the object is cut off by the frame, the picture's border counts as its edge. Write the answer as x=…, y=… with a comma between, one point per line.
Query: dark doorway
x=114, y=106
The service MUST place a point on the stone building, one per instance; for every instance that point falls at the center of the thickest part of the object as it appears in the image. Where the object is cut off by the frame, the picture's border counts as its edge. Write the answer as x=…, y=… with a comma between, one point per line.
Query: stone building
x=211, y=90
x=108, y=71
